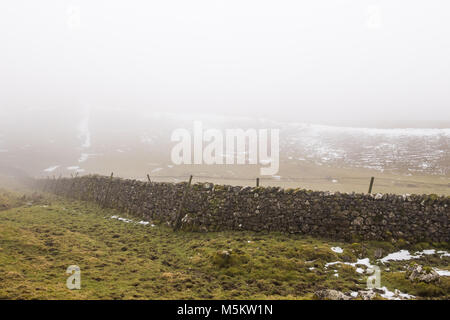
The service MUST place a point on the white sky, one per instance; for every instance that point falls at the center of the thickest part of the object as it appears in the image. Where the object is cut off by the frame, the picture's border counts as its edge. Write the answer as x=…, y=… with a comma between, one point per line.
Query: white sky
x=353, y=62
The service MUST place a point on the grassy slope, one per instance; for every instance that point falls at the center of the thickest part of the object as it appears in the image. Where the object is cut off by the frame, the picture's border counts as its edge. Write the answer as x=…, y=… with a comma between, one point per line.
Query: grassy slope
x=131, y=261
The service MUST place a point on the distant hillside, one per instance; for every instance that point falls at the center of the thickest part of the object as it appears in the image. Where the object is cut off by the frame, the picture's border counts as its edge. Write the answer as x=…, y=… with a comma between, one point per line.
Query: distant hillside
x=319, y=156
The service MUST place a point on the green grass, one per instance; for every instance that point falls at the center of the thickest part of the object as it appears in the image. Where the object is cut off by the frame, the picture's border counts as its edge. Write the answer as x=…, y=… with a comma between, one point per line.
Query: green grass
x=121, y=260
x=9, y=199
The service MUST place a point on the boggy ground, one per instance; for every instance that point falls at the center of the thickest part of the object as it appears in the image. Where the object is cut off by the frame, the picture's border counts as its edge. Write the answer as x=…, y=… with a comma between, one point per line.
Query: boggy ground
x=40, y=236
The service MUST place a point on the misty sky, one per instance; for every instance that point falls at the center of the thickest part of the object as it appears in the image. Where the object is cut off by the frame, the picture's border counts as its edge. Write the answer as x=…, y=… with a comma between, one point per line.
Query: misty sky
x=359, y=63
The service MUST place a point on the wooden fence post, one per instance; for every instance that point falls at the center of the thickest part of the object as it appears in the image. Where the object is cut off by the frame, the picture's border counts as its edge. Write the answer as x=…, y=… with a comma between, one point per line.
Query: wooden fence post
x=46, y=184
x=371, y=185
x=148, y=177
x=179, y=216
x=107, y=190
x=58, y=188
x=257, y=182
x=69, y=192
x=54, y=184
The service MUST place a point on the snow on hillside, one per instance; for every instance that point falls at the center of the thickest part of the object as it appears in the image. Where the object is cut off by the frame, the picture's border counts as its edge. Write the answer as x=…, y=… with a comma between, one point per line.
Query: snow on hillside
x=402, y=150
x=98, y=138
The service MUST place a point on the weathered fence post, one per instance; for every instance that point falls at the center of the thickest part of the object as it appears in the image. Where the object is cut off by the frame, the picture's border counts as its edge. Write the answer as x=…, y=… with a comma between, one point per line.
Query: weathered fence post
x=107, y=190
x=257, y=182
x=179, y=216
x=69, y=192
x=148, y=177
x=371, y=185
x=58, y=188
x=46, y=184
x=54, y=184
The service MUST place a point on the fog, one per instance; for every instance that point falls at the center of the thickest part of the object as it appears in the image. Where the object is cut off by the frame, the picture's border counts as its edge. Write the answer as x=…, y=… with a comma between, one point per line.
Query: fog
x=352, y=63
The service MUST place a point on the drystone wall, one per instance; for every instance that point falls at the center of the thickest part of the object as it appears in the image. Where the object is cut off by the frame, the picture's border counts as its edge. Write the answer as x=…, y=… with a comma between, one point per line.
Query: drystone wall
x=209, y=207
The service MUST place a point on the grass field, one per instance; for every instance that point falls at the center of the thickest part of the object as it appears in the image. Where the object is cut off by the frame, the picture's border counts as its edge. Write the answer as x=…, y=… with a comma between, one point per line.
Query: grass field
x=291, y=175
x=40, y=236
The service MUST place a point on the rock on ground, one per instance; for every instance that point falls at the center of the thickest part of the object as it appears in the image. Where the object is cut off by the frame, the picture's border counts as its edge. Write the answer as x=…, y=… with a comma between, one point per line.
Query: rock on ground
x=418, y=273
x=330, y=294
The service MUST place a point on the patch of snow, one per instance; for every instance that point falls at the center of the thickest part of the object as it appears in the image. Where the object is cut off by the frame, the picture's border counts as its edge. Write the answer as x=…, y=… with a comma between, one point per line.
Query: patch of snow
x=131, y=221
x=83, y=157
x=156, y=170
x=364, y=262
x=337, y=249
x=121, y=219
x=73, y=168
x=427, y=252
x=51, y=169
x=444, y=273
x=401, y=255
x=354, y=294
x=396, y=295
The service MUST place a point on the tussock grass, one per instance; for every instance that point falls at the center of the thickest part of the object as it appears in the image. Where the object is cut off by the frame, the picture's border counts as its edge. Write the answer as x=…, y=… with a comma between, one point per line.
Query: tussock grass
x=121, y=260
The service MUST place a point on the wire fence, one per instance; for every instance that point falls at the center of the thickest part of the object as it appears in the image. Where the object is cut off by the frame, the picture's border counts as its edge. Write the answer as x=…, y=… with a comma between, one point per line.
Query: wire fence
x=364, y=184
